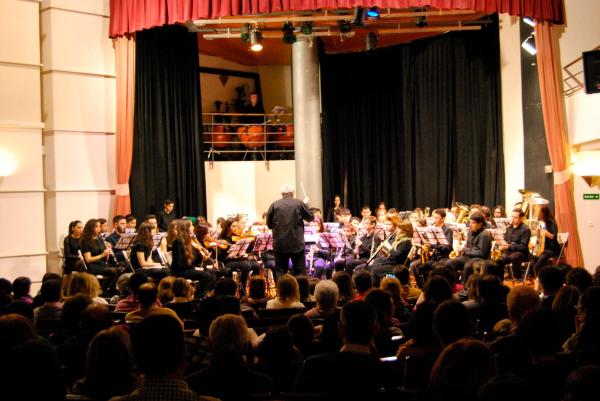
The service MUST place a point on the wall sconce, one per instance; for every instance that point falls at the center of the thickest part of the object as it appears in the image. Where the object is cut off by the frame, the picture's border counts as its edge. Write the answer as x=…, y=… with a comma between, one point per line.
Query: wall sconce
x=8, y=163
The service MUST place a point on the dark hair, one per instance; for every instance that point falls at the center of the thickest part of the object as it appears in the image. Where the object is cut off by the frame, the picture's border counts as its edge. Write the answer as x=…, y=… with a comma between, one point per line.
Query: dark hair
x=420, y=325
x=72, y=225
x=362, y=281
x=520, y=211
x=344, y=283
x=200, y=230
x=88, y=232
x=72, y=309
x=546, y=215
x=50, y=276
x=144, y=236
x=180, y=287
x=489, y=289
x=130, y=217
x=135, y=281
x=102, y=220
x=302, y=330
x=94, y=318
x=451, y=322
x=540, y=332
x=402, y=273
x=357, y=320
x=158, y=361
x=382, y=303
x=51, y=290
x=21, y=286
x=149, y=216
x=147, y=294
x=477, y=217
x=507, y=387
x=446, y=273
x=258, y=287
x=118, y=218
x=168, y=202
x=437, y=289
x=364, y=207
x=225, y=286
x=440, y=212
x=16, y=329
x=502, y=211
x=551, y=279
x=580, y=278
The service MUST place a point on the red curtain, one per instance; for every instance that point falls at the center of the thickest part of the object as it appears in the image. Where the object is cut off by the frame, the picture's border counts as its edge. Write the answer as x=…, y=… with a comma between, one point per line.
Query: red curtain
x=125, y=69
x=128, y=16
x=550, y=77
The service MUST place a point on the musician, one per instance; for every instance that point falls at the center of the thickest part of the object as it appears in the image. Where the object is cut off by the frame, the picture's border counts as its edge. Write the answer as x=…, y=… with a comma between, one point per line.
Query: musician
x=151, y=218
x=516, y=251
x=333, y=212
x=318, y=255
x=400, y=242
x=365, y=213
x=166, y=215
x=141, y=253
x=230, y=228
x=94, y=250
x=119, y=225
x=186, y=257
x=364, y=246
x=346, y=257
x=478, y=245
x=499, y=212
x=286, y=218
x=71, y=248
x=103, y=227
x=166, y=243
x=551, y=245
x=487, y=213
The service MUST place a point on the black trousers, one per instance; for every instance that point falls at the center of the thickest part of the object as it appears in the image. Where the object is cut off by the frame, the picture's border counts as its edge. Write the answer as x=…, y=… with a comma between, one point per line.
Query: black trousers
x=543, y=259
x=282, y=262
x=516, y=259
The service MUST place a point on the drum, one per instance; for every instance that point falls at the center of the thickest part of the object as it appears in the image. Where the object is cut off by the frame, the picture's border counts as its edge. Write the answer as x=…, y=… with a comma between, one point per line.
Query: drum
x=219, y=135
x=252, y=136
x=285, y=135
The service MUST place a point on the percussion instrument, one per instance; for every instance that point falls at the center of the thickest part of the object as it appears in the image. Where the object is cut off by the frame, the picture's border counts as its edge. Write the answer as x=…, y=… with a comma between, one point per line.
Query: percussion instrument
x=220, y=137
x=253, y=136
x=285, y=136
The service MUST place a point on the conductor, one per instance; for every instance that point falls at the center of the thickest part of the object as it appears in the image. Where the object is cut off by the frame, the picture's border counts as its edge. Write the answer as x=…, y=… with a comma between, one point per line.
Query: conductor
x=286, y=218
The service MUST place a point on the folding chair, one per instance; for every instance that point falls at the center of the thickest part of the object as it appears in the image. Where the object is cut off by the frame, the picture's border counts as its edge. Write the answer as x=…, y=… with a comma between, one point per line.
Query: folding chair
x=562, y=239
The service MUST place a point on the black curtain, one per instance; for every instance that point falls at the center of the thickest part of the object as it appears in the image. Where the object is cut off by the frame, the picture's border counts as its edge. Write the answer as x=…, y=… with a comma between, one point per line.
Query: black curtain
x=415, y=125
x=167, y=145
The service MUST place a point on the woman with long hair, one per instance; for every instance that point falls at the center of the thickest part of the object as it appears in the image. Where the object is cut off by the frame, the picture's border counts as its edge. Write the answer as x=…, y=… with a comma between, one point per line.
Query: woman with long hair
x=187, y=255
x=332, y=212
x=288, y=294
x=550, y=233
x=141, y=253
x=71, y=248
x=94, y=250
x=244, y=266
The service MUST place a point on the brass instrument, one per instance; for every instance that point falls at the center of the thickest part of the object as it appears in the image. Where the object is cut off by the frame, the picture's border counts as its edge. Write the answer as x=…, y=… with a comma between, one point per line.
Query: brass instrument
x=425, y=254
x=463, y=215
x=496, y=252
x=461, y=238
x=413, y=252
x=311, y=259
x=540, y=239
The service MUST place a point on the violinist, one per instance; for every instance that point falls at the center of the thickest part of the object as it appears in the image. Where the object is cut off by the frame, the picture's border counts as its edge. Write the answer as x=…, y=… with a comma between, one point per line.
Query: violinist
x=230, y=228
x=186, y=256
x=141, y=253
x=166, y=243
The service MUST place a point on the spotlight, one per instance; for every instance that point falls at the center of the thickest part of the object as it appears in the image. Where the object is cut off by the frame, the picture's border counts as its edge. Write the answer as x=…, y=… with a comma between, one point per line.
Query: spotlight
x=306, y=28
x=344, y=26
x=359, y=14
x=289, y=37
x=529, y=21
x=371, y=42
x=529, y=45
x=256, y=41
x=373, y=13
x=245, y=33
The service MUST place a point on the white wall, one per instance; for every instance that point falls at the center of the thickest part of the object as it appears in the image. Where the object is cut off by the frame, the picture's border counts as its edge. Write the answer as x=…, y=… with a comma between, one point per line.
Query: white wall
x=245, y=187
x=78, y=92
x=582, y=33
x=22, y=240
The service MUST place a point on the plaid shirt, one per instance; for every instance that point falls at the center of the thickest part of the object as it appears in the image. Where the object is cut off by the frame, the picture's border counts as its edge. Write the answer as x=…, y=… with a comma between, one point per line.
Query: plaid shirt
x=163, y=390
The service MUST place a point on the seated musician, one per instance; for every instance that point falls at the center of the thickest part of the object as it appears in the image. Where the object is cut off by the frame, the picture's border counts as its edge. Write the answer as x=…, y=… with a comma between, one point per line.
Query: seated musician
x=141, y=253
x=166, y=215
x=400, y=242
x=365, y=213
x=94, y=250
x=477, y=247
x=119, y=225
x=71, y=248
x=344, y=216
x=166, y=243
x=317, y=254
x=187, y=255
x=364, y=246
x=516, y=250
x=244, y=266
x=131, y=222
x=254, y=106
x=345, y=255
x=551, y=245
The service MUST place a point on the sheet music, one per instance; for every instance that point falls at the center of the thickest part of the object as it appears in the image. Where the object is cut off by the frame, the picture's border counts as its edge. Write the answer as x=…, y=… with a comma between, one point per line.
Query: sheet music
x=264, y=242
x=239, y=248
x=502, y=223
x=438, y=233
x=422, y=231
x=498, y=236
x=125, y=241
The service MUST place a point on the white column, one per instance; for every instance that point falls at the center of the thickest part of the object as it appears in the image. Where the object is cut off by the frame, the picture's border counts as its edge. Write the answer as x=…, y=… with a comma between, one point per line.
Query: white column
x=307, y=121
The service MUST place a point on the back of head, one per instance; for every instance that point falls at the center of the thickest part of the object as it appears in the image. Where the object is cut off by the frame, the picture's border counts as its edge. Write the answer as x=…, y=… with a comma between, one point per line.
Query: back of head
x=95, y=317
x=489, y=289
x=521, y=300
x=357, y=320
x=15, y=329
x=590, y=304
x=158, y=345
x=420, y=325
x=136, y=280
x=401, y=273
x=50, y=276
x=277, y=346
x=451, y=322
x=344, y=282
x=327, y=294
x=258, y=287
x=437, y=289
x=123, y=284
x=229, y=334
x=566, y=300
x=302, y=329
x=462, y=368
x=582, y=384
x=493, y=268
x=180, y=287
x=147, y=295
x=382, y=303
x=540, y=332
x=287, y=288
x=72, y=310
x=84, y=283
x=580, y=278
x=165, y=289
x=225, y=286
x=208, y=310
x=21, y=286
x=51, y=290
x=362, y=281
x=550, y=279
x=446, y=273
x=20, y=307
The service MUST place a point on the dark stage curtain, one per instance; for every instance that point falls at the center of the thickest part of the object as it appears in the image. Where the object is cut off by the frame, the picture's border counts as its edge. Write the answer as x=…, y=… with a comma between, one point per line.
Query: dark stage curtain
x=167, y=144
x=415, y=125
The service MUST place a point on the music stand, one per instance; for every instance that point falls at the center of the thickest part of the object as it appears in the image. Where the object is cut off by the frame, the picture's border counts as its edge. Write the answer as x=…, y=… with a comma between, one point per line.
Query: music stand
x=422, y=231
x=438, y=234
x=332, y=227
x=239, y=249
x=498, y=236
x=124, y=243
x=157, y=238
x=264, y=242
x=405, y=214
x=502, y=223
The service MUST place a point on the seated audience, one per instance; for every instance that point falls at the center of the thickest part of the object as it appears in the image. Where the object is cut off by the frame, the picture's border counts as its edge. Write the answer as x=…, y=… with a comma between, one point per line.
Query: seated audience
x=326, y=295
x=362, y=283
x=288, y=294
x=21, y=288
x=303, y=334
x=279, y=359
x=14, y=330
x=410, y=294
x=451, y=322
x=582, y=384
x=131, y=303
x=507, y=387
x=182, y=302
x=585, y=343
x=345, y=288
x=148, y=296
x=123, y=289
x=37, y=300
x=383, y=305
x=565, y=307
x=87, y=284
x=51, y=310
x=165, y=289
x=580, y=278
x=257, y=294
x=549, y=281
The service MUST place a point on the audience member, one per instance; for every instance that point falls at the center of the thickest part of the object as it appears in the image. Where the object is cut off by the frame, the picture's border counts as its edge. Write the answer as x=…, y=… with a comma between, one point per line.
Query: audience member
x=582, y=384
x=410, y=294
x=21, y=287
x=288, y=294
x=279, y=359
x=303, y=334
x=148, y=296
x=344, y=282
x=51, y=309
x=585, y=343
x=131, y=303
x=327, y=296
x=383, y=305
x=363, y=283
x=565, y=307
x=580, y=278
x=549, y=280
x=451, y=322
x=88, y=284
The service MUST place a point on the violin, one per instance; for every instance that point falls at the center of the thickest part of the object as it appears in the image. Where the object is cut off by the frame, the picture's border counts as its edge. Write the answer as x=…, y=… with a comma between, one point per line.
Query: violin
x=203, y=251
x=216, y=243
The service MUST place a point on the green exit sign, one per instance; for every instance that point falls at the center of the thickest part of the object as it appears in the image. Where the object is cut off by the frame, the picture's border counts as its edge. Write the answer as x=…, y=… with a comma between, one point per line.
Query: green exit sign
x=591, y=196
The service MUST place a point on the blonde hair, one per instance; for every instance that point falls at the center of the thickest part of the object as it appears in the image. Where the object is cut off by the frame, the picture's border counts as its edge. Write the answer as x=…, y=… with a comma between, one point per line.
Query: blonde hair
x=287, y=288
x=84, y=283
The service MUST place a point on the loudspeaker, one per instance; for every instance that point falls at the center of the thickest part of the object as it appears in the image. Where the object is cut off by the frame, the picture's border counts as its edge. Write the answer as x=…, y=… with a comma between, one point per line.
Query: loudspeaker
x=591, y=71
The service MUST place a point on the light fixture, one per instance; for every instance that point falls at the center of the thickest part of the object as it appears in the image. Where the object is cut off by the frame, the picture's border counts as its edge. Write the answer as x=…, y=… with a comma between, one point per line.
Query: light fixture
x=256, y=40
x=529, y=21
x=289, y=37
x=529, y=45
x=8, y=163
x=359, y=14
x=306, y=28
x=371, y=42
x=373, y=13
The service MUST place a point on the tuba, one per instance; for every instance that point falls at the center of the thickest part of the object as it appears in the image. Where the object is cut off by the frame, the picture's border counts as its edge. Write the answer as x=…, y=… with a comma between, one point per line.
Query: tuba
x=540, y=241
x=464, y=212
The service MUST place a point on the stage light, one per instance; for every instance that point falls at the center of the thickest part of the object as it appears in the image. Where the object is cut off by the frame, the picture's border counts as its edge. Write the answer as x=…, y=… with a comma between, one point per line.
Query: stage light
x=245, y=33
x=529, y=45
x=256, y=40
x=373, y=13
x=344, y=26
x=289, y=37
x=371, y=42
x=306, y=28
x=359, y=14
x=529, y=21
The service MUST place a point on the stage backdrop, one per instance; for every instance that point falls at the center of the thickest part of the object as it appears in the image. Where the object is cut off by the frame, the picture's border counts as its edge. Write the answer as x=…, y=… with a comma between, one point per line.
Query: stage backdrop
x=415, y=125
x=167, y=145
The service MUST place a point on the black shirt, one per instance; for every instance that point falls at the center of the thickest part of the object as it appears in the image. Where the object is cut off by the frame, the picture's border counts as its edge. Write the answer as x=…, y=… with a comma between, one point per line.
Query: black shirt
x=518, y=238
x=95, y=248
x=552, y=244
x=165, y=219
x=113, y=238
x=479, y=244
x=138, y=246
x=71, y=246
x=366, y=244
x=443, y=251
x=286, y=218
x=179, y=262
